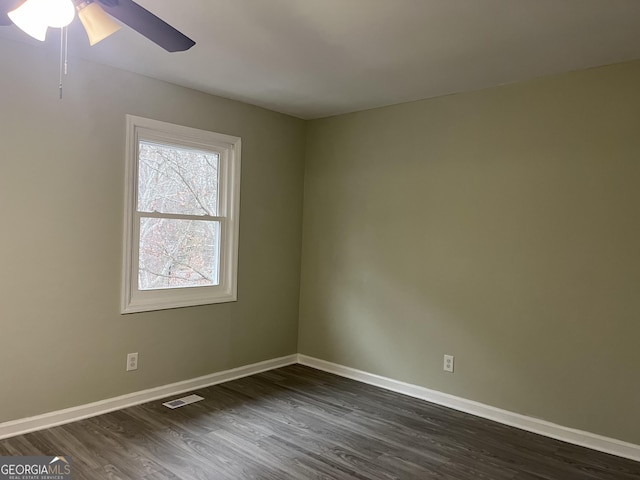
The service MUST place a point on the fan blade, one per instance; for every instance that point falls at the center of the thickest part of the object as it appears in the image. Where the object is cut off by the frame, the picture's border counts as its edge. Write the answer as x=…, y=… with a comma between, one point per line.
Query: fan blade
x=7, y=6
x=147, y=24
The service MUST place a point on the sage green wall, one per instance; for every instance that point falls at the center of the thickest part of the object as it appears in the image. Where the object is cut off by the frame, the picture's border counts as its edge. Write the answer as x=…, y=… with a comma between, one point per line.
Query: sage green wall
x=62, y=340
x=500, y=226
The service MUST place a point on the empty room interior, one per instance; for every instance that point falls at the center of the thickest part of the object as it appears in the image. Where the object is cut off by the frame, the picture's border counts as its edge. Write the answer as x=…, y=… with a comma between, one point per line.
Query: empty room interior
x=360, y=239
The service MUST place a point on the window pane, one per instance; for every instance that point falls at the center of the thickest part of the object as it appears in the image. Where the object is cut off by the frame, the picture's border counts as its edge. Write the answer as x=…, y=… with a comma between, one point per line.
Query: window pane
x=178, y=253
x=177, y=180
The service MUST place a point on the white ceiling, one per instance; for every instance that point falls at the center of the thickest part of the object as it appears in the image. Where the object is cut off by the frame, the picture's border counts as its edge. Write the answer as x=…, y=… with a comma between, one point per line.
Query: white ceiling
x=315, y=58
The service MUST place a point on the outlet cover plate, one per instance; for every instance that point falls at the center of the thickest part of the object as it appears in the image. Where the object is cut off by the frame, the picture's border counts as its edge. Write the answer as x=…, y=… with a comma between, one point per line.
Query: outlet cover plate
x=132, y=361
x=448, y=363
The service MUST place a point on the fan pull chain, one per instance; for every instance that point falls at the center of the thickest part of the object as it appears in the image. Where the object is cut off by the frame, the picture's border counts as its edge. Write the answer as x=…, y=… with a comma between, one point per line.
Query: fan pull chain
x=66, y=49
x=64, y=57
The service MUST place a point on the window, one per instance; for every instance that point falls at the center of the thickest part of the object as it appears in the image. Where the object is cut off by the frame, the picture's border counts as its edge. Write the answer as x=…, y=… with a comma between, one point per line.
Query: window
x=181, y=216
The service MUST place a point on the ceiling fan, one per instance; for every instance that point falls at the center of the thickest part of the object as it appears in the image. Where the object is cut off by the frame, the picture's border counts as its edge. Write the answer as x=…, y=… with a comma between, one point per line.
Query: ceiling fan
x=36, y=16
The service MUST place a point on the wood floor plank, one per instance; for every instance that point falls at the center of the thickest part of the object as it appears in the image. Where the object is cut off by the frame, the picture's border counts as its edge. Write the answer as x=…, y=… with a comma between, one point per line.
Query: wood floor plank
x=299, y=423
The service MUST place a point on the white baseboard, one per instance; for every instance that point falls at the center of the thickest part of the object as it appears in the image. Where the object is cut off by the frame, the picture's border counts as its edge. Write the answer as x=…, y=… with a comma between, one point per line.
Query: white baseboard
x=530, y=424
x=535, y=425
x=68, y=415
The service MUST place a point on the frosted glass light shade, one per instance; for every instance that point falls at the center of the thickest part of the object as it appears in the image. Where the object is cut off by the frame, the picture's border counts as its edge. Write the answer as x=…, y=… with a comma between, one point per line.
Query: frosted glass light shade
x=28, y=17
x=60, y=12
x=96, y=22
x=35, y=16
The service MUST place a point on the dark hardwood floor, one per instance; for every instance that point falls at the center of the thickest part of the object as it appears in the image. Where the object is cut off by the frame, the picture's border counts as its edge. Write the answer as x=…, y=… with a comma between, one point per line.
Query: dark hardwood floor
x=300, y=423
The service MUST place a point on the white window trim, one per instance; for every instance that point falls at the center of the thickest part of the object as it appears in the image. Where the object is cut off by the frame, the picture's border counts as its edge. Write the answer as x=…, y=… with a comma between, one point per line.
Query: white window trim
x=229, y=147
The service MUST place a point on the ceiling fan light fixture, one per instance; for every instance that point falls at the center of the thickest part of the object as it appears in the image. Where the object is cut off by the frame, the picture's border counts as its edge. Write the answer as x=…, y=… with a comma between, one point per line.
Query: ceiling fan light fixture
x=35, y=16
x=60, y=13
x=97, y=23
x=28, y=18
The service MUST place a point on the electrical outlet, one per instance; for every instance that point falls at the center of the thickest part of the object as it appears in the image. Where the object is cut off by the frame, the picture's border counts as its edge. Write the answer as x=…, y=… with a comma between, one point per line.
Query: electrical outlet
x=448, y=363
x=132, y=361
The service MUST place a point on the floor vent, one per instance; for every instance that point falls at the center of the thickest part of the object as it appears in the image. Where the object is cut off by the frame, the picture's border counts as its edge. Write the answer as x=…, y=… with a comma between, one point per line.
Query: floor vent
x=181, y=402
